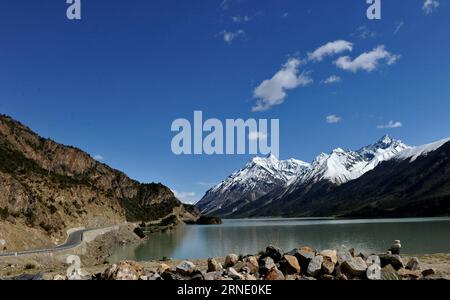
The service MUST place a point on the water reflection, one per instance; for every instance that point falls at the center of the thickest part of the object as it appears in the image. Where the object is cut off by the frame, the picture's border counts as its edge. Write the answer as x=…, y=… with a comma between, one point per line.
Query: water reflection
x=426, y=235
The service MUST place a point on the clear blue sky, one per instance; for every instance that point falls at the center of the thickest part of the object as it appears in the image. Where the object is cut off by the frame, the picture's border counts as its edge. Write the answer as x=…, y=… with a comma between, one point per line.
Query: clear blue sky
x=113, y=82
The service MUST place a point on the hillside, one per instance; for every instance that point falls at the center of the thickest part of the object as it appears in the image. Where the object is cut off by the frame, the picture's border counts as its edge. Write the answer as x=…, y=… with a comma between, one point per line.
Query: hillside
x=46, y=188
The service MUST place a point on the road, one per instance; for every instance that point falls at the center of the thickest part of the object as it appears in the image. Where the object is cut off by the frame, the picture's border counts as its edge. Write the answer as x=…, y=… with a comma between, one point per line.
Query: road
x=73, y=240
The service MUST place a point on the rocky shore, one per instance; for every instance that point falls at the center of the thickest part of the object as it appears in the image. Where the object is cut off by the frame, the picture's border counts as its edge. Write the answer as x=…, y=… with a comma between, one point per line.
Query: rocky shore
x=302, y=263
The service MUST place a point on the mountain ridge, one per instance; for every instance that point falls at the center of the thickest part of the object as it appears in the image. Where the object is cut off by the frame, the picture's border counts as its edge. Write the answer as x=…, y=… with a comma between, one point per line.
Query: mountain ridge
x=326, y=174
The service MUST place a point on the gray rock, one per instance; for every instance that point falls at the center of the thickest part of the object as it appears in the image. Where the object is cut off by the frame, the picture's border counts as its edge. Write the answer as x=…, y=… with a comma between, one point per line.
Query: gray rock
x=185, y=268
x=231, y=260
x=173, y=275
x=413, y=264
x=27, y=277
x=356, y=267
x=374, y=272
x=389, y=273
x=315, y=266
x=391, y=259
x=274, y=252
x=343, y=255
x=265, y=265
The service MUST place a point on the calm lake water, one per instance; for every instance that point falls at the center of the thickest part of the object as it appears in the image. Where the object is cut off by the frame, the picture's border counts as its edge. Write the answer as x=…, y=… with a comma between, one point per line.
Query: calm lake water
x=248, y=236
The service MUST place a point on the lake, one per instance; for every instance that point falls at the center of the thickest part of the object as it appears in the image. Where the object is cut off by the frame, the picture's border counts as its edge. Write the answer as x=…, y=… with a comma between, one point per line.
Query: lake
x=248, y=236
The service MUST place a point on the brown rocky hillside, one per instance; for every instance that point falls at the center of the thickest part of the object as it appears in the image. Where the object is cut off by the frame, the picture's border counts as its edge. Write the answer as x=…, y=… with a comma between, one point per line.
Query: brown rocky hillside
x=46, y=188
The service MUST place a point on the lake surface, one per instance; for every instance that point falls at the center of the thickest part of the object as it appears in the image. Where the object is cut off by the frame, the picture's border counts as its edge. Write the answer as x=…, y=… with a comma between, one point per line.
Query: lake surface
x=248, y=236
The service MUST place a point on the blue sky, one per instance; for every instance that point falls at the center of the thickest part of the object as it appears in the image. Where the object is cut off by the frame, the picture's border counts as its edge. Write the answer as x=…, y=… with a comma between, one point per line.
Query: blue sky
x=113, y=82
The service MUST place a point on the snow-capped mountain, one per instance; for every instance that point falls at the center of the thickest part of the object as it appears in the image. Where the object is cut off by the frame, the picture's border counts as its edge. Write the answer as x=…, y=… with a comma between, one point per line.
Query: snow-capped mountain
x=257, y=178
x=412, y=182
x=341, y=166
x=263, y=175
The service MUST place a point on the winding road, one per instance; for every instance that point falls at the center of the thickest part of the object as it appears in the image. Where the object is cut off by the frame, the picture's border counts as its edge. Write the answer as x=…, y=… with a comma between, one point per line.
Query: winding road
x=74, y=239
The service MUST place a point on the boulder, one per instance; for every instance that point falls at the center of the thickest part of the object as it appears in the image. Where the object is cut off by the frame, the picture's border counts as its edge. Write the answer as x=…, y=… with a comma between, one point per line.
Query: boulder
x=292, y=277
x=428, y=272
x=124, y=270
x=185, y=268
x=60, y=277
x=413, y=264
x=374, y=272
x=274, y=274
x=266, y=264
x=231, y=260
x=389, y=273
x=173, y=275
x=373, y=259
x=391, y=259
x=355, y=266
x=213, y=265
x=303, y=257
x=234, y=274
x=274, y=252
x=327, y=266
x=251, y=262
x=291, y=265
x=331, y=254
x=315, y=266
x=343, y=255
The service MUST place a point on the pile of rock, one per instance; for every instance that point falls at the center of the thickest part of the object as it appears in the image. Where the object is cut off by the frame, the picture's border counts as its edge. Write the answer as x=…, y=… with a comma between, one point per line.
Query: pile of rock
x=275, y=264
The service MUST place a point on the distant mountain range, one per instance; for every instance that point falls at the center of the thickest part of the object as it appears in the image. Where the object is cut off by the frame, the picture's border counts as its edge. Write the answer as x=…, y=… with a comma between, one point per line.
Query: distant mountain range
x=385, y=179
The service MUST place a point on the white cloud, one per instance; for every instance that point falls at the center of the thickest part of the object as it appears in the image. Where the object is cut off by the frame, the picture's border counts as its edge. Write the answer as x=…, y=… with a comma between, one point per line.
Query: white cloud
x=368, y=61
x=430, y=5
x=399, y=26
x=333, y=119
x=332, y=79
x=272, y=91
x=257, y=135
x=390, y=125
x=229, y=36
x=186, y=197
x=329, y=49
x=98, y=157
x=241, y=19
x=364, y=32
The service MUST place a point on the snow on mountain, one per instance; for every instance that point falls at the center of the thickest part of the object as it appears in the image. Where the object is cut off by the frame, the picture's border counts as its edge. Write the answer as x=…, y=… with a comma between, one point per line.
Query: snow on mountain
x=257, y=178
x=341, y=166
x=415, y=152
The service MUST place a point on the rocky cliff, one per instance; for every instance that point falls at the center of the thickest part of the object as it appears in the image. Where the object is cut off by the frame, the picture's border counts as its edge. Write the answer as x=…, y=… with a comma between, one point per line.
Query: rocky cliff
x=47, y=187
